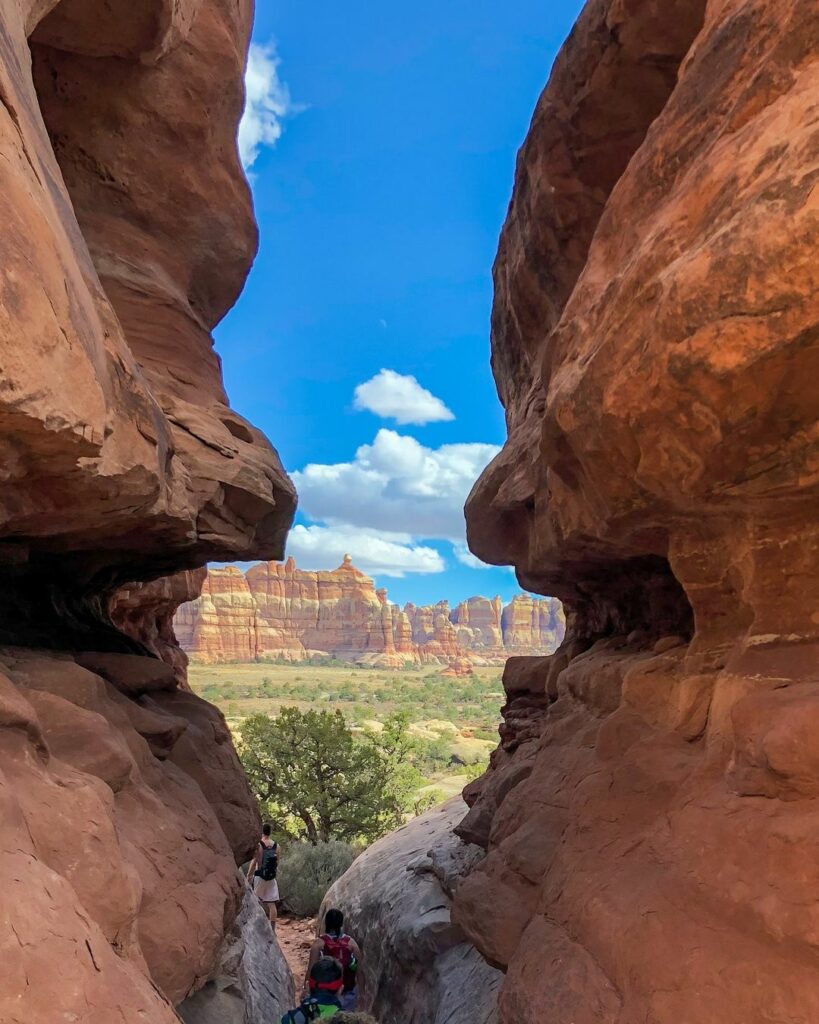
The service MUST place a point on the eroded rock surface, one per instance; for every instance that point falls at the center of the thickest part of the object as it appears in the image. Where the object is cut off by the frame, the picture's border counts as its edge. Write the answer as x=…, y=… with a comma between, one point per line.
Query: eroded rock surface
x=396, y=899
x=650, y=816
x=119, y=880
x=252, y=983
x=127, y=234
x=278, y=610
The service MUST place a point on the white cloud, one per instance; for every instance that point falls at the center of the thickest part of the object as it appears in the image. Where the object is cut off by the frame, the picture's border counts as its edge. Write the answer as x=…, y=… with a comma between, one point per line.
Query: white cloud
x=376, y=552
x=396, y=484
x=267, y=103
x=465, y=557
x=400, y=397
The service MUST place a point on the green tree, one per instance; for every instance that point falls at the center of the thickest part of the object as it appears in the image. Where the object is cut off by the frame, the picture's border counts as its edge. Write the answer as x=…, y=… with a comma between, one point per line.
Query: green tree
x=318, y=782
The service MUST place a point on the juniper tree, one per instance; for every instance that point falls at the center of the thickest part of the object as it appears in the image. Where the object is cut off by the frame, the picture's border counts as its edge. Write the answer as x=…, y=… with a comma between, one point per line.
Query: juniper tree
x=316, y=780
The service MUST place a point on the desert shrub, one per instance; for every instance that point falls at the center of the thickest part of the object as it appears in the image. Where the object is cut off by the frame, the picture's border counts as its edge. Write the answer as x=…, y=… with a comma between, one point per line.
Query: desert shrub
x=426, y=801
x=307, y=871
x=486, y=734
x=476, y=769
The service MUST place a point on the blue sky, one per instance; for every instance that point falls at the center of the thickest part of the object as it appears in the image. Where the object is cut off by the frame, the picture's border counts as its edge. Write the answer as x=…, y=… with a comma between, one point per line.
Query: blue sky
x=380, y=143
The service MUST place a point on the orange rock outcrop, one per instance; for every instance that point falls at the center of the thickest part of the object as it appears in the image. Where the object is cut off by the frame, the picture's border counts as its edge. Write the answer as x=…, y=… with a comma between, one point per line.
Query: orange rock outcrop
x=650, y=816
x=276, y=610
x=127, y=234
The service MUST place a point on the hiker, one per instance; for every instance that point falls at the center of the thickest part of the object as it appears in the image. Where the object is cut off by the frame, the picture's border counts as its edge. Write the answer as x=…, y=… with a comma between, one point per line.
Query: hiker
x=261, y=873
x=325, y=982
x=335, y=943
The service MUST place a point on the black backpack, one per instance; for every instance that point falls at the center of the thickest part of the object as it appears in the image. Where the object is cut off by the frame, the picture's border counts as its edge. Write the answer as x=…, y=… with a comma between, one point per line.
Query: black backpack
x=269, y=862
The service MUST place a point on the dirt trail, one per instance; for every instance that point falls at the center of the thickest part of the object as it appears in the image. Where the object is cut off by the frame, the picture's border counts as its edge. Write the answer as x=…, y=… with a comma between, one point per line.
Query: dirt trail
x=295, y=934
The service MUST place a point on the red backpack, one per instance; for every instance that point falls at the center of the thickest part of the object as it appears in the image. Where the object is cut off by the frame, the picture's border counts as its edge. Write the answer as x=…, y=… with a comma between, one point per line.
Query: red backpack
x=338, y=947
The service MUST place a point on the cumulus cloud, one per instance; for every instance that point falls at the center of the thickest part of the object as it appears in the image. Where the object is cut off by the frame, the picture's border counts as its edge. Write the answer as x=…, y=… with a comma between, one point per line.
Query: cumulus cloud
x=465, y=557
x=376, y=552
x=267, y=103
x=400, y=397
x=396, y=484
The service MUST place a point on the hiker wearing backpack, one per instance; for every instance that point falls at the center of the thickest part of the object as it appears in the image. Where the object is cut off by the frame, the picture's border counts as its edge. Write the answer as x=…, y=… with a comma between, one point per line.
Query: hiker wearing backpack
x=325, y=981
x=261, y=874
x=338, y=945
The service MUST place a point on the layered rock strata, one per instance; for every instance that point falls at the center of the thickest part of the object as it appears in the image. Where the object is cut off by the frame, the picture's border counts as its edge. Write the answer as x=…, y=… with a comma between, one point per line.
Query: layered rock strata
x=278, y=610
x=127, y=235
x=649, y=819
x=396, y=899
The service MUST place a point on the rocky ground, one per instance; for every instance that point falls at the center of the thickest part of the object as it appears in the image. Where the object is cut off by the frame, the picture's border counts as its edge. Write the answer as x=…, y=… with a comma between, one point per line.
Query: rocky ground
x=295, y=934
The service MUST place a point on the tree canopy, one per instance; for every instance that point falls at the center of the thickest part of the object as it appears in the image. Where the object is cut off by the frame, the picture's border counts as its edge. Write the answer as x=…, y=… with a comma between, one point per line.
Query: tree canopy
x=317, y=781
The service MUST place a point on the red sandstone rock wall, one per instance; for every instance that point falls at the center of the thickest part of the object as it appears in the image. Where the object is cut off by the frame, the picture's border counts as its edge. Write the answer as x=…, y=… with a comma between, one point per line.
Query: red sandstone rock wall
x=145, y=612
x=118, y=793
x=650, y=817
x=277, y=610
x=127, y=232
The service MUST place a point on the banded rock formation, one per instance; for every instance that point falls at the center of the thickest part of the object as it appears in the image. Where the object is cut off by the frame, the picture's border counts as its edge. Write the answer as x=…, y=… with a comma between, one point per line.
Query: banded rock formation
x=278, y=610
x=650, y=816
x=127, y=234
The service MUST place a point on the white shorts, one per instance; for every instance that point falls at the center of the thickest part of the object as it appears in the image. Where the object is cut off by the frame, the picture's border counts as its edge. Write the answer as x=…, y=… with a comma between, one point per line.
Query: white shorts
x=268, y=892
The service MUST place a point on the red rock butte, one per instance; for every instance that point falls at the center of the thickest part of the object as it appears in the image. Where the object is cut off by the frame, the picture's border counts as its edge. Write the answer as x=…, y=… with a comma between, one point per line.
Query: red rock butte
x=276, y=610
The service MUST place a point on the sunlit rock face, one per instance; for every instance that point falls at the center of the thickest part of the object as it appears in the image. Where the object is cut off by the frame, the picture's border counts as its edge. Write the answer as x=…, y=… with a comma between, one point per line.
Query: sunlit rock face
x=127, y=234
x=650, y=815
x=276, y=610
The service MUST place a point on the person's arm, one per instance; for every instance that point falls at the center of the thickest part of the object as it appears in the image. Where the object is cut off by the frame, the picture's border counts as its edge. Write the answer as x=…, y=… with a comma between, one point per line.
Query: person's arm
x=315, y=953
x=253, y=865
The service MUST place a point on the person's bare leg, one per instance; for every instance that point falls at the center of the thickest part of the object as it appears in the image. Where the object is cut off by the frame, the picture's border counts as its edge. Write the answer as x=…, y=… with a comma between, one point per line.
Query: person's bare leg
x=272, y=914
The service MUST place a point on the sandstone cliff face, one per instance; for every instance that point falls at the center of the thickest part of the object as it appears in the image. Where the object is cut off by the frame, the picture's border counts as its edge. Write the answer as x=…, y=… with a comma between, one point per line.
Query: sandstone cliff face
x=396, y=899
x=127, y=234
x=650, y=816
x=119, y=878
x=278, y=610
x=145, y=612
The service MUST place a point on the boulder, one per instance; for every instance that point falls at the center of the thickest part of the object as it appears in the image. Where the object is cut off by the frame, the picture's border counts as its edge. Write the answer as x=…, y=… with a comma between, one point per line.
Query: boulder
x=252, y=983
x=396, y=899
